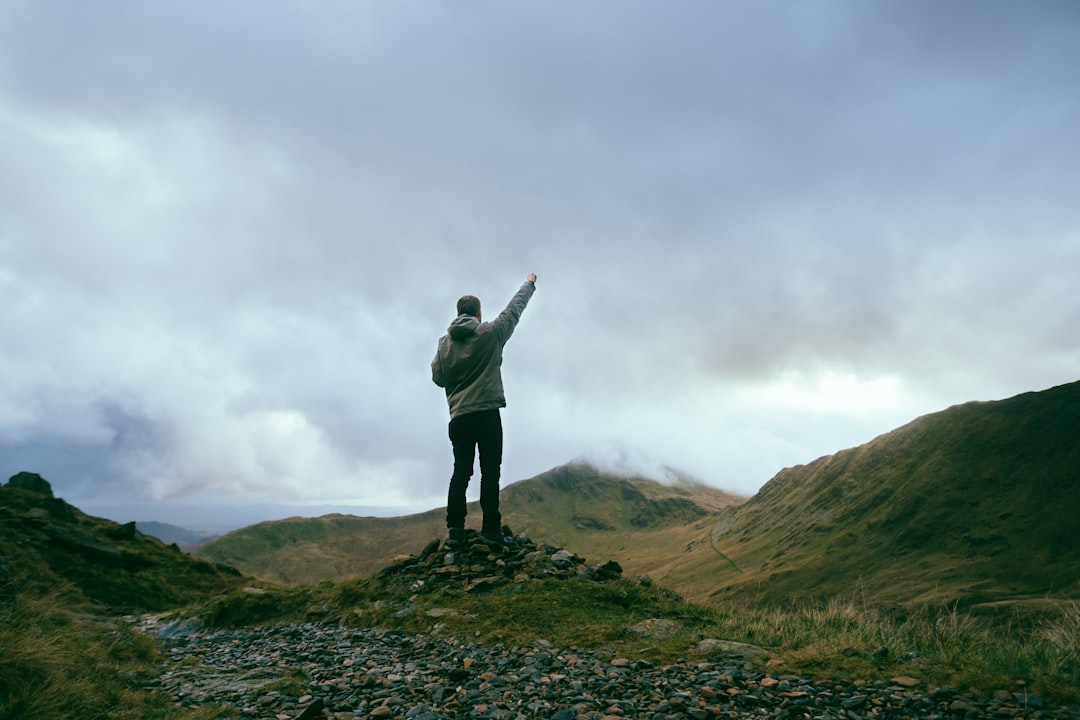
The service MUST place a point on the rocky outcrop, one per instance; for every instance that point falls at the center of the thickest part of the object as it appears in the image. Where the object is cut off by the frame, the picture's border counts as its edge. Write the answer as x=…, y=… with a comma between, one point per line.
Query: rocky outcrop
x=36, y=524
x=478, y=565
x=32, y=482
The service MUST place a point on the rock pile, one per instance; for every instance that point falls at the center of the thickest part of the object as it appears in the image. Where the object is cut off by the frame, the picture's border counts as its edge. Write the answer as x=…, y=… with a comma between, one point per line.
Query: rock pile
x=477, y=565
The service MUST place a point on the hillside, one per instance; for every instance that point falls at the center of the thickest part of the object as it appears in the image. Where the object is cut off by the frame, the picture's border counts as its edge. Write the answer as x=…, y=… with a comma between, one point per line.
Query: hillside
x=185, y=539
x=575, y=506
x=975, y=504
x=644, y=525
x=53, y=549
x=330, y=547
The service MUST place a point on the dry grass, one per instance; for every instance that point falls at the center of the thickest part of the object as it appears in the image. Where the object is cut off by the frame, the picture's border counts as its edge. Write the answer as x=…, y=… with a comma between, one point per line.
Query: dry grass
x=61, y=665
x=847, y=640
x=835, y=640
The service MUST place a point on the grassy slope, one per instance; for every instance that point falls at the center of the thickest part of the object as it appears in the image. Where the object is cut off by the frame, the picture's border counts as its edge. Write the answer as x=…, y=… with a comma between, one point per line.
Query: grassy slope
x=53, y=549
x=331, y=547
x=63, y=655
x=975, y=503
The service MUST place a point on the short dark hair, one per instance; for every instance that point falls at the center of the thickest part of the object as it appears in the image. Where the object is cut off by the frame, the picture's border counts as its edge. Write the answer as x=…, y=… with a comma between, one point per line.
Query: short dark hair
x=468, y=305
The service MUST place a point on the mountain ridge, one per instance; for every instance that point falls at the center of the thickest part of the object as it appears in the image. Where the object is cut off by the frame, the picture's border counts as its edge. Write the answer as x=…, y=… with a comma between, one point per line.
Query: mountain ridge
x=182, y=537
x=52, y=548
x=972, y=504
x=337, y=546
x=982, y=496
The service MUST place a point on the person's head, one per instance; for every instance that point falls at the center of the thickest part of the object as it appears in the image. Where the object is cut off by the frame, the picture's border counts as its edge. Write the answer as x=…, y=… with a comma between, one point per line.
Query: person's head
x=469, y=305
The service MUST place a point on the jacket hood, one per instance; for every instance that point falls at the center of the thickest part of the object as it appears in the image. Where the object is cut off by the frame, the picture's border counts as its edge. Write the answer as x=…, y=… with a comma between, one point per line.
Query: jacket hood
x=462, y=326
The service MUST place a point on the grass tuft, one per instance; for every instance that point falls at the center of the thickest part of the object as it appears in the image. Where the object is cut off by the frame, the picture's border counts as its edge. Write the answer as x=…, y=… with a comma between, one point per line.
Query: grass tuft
x=62, y=665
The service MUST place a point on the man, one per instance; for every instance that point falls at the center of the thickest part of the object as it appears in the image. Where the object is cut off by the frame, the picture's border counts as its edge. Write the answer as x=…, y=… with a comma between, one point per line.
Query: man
x=468, y=365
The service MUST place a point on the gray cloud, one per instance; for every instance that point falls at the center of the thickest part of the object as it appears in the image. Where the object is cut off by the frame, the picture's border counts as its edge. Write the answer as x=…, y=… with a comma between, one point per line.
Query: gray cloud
x=230, y=235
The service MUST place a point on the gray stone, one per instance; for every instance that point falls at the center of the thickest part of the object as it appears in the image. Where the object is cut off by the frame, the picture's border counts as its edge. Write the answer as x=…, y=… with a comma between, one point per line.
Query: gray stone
x=714, y=646
x=655, y=628
x=378, y=673
x=563, y=559
x=180, y=629
x=312, y=711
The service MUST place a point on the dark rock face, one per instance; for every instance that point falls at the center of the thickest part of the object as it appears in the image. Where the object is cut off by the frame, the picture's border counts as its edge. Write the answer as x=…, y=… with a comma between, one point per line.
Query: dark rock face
x=122, y=532
x=32, y=482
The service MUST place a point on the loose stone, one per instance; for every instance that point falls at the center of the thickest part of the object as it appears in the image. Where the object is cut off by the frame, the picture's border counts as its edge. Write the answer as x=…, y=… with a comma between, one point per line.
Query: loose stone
x=329, y=671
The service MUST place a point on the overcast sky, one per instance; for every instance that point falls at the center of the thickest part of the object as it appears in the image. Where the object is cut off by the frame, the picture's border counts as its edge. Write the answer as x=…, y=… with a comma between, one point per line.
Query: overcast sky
x=231, y=234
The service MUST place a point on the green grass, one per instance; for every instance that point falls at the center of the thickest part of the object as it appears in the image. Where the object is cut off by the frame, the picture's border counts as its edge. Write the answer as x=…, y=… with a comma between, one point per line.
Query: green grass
x=939, y=648
x=974, y=504
x=53, y=549
x=62, y=665
x=570, y=613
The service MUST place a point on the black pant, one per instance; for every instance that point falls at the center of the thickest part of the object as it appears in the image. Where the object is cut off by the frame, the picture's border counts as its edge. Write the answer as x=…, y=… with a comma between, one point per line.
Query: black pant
x=481, y=430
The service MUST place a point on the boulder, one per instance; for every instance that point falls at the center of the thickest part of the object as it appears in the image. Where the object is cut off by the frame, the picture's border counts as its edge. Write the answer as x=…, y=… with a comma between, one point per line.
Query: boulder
x=655, y=628
x=122, y=532
x=609, y=571
x=32, y=482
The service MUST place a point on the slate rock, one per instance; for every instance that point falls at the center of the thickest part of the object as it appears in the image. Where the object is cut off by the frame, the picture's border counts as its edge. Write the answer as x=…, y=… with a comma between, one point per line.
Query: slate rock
x=655, y=628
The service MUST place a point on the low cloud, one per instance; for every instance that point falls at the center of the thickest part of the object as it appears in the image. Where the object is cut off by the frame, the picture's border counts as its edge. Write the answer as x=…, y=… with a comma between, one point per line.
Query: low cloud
x=230, y=240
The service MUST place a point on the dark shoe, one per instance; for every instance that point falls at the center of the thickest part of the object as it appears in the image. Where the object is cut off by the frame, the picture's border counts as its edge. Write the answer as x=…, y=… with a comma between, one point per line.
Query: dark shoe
x=498, y=540
x=456, y=537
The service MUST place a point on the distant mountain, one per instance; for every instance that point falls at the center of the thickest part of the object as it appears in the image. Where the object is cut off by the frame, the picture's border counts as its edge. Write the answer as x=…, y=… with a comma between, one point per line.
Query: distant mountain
x=331, y=547
x=183, y=538
x=644, y=525
x=52, y=549
x=979, y=503
x=976, y=504
x=589, y=512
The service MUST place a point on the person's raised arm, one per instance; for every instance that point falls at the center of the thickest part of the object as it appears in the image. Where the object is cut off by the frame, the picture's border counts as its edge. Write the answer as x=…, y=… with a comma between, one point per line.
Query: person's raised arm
x=508, y=319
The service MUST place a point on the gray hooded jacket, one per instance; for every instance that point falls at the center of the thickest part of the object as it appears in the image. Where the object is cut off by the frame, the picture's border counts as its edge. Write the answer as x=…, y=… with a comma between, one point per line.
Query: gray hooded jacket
x=468, y=363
